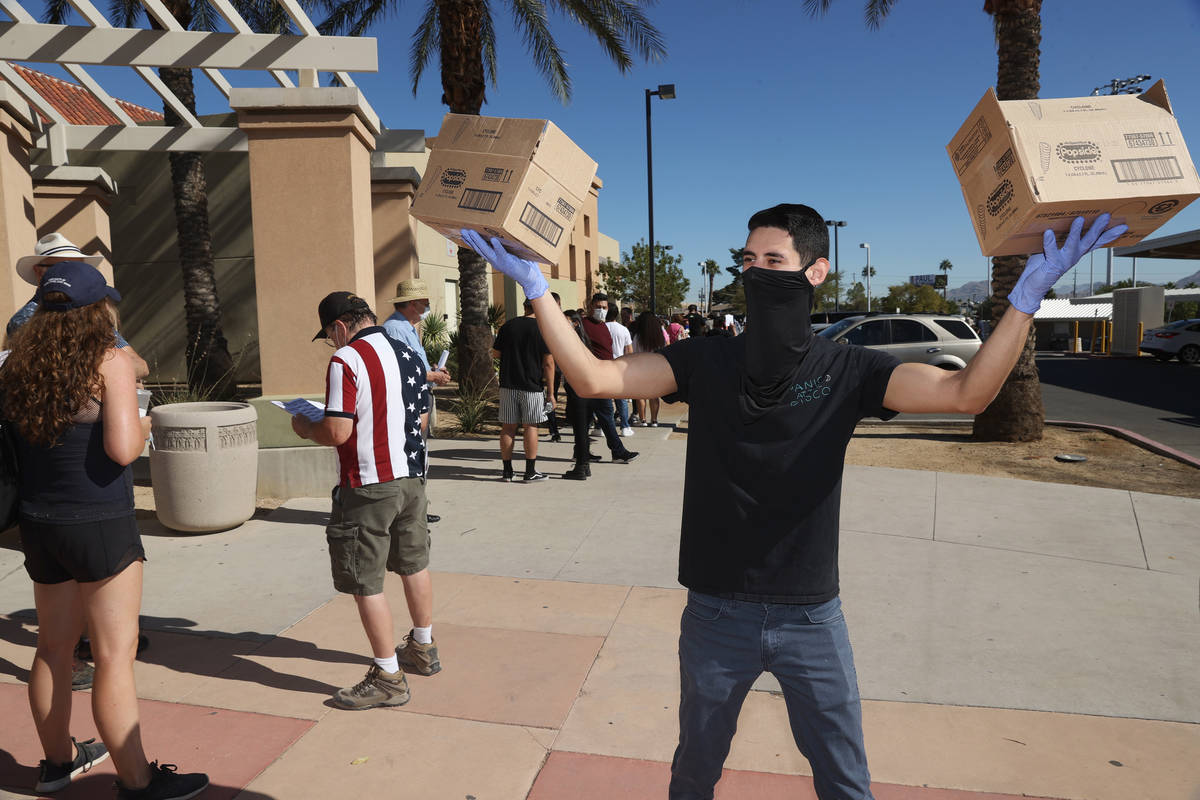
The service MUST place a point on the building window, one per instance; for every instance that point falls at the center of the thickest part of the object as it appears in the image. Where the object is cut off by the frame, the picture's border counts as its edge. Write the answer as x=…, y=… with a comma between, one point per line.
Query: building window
x=587, y=225
x=587, y=262
x=571, y=252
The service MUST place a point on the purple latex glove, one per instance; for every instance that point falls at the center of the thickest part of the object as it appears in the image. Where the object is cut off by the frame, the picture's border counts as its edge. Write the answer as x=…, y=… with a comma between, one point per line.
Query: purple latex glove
x=526, y=273
x=1044, y=269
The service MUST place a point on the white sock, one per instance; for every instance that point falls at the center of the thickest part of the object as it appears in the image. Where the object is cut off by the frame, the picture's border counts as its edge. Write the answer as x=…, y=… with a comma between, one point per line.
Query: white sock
x=423, y=635
x=388, y=664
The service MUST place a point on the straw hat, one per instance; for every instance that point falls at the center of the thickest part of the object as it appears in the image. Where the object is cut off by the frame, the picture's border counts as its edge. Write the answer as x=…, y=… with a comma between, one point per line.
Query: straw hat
x=50, y=246
x=411, y=289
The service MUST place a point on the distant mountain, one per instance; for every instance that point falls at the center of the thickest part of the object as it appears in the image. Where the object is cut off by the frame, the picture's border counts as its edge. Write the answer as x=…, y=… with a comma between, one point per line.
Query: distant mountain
x=1193, y=278
x=972, y=290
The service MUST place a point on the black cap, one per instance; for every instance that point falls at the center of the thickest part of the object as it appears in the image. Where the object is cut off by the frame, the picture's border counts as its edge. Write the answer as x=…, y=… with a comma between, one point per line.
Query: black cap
x=80, y=282
x=335, y=305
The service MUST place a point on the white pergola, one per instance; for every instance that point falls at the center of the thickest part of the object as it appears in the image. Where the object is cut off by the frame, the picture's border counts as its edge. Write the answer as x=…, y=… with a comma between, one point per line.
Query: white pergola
x=23, y=38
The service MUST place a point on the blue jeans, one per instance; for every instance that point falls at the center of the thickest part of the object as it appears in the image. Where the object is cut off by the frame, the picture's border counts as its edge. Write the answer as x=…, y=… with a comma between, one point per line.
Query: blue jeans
x=724, y=645
x=603, y=409
x=622, y=413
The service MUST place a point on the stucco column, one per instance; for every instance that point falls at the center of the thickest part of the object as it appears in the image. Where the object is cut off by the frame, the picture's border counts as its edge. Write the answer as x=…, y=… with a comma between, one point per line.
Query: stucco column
x=17, y=230
x=310, y=199
x=395, y=243
x=74, y=201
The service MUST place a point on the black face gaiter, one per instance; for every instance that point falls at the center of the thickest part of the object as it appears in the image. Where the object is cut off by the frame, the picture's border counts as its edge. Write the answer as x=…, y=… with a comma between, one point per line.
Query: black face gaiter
x=778, y=335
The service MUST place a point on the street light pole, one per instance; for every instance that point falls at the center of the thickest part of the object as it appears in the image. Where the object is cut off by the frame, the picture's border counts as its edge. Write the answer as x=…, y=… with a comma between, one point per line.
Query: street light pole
x=837, y=287
x=665, y=91
x=867, y=272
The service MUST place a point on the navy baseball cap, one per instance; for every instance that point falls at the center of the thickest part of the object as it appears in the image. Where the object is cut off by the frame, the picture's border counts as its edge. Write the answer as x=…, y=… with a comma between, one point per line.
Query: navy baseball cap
x=80, y=282
x=335, y=305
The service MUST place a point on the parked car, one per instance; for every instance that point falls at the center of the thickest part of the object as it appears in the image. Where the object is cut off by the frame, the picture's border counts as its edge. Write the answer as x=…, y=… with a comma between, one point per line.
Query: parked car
x=942, y=340
x=1179, y=339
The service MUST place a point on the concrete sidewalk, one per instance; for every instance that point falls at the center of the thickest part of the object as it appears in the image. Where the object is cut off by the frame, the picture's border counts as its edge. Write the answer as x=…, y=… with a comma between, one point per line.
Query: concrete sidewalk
x=1011, y=637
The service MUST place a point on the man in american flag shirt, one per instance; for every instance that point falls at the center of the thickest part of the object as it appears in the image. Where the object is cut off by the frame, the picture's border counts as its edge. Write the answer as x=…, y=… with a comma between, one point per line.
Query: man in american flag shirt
x=376, y=403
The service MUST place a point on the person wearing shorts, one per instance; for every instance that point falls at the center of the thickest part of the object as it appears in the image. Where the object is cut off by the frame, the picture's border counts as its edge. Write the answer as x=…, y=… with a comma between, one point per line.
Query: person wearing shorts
x=376, y=399
x=526, y=394
x=69, y=395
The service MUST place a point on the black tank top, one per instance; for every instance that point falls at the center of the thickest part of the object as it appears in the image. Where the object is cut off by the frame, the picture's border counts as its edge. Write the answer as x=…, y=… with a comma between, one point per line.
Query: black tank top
x=75, y=480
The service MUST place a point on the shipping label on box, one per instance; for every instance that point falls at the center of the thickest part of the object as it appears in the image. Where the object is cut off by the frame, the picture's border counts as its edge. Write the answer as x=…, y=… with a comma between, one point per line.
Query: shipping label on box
x=1028, y=165
x=521, y=180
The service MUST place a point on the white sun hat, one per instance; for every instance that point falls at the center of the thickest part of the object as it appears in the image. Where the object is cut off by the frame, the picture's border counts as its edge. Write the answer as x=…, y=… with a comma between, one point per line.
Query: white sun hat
x=52, y=246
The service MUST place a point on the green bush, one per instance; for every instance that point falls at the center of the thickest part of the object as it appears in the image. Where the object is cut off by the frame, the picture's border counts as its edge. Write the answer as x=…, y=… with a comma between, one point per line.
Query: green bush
x=472, y=407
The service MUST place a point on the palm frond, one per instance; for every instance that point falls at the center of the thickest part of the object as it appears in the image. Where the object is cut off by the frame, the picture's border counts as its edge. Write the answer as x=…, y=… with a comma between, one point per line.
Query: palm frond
x=425, y=42
x=877, y=11
x=646, y=39
x=487, y=35
x=204, y=16
x=531, y=20
x=352, y=17
x=819, y=8
x=125, y=13
x=56, y=12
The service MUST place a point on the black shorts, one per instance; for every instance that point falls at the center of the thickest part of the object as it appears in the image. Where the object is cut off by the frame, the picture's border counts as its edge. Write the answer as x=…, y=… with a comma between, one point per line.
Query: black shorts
x=56, y=552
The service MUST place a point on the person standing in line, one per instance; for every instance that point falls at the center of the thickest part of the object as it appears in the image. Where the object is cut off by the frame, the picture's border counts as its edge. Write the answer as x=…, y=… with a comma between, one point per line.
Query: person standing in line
x=526, y=386
x=70, y=395
x=622, y=345
x=648, y=337
x=376, y=399
x=600, y=341
x=411, y=306
x=772, y=412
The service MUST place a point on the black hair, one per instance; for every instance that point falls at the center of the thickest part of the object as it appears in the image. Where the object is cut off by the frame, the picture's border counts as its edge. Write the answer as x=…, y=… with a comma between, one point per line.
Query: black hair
x=613, y=314
x=528, y=305
x=807, y=228
x=649, y=332
x=598, y=296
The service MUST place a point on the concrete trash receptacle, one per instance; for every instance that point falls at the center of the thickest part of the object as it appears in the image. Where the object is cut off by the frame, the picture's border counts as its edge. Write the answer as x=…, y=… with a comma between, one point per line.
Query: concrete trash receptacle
x=204, y=464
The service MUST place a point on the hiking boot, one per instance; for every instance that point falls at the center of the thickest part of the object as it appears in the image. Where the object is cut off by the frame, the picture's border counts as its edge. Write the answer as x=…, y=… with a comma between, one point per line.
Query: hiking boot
x=53, y=777
x=626, y=457
x=421, y=659
x=379, y=688
x=82, y=675
x=531, y=477
x=166, y=783
x=580, y=472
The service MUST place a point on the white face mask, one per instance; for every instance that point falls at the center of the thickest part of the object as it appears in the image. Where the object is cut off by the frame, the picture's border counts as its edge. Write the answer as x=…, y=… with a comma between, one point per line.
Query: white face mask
x=425, y=313
x=599, y=314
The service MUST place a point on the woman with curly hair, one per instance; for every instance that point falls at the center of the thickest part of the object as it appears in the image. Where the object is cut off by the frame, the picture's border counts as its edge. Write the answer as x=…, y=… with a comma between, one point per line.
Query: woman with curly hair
x=70, y=398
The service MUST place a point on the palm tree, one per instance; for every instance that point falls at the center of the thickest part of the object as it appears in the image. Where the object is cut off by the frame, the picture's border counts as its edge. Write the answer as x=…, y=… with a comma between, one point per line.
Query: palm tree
x=945, y=267
x=710, y=269
x=462, y=34
x=210, y=367
x=1017, y=413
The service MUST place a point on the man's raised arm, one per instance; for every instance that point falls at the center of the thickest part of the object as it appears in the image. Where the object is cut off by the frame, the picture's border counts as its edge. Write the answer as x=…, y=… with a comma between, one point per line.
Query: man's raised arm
x=641, y=375
x=921, y=388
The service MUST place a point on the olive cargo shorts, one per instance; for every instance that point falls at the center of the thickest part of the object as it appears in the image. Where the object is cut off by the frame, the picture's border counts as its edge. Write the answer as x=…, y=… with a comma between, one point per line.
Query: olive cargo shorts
x=376, y=528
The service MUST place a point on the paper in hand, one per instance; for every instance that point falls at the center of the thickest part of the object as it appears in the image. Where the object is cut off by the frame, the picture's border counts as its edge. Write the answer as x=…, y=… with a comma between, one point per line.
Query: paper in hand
x=442, y=360
x=305, y=408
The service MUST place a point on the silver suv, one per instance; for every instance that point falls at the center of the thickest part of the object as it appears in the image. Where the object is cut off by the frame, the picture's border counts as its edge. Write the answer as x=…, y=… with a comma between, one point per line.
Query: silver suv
x=942, y=340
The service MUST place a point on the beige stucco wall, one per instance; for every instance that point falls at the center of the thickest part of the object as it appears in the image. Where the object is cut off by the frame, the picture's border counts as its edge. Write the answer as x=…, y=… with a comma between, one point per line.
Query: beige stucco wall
x=17, y=236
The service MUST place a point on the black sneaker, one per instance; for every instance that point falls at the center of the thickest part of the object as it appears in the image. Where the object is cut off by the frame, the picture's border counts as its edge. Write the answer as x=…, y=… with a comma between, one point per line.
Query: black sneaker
x=531, y=477
x=580, y=472
x=166, y=784
x=594, y=458
x=507, y=476
x=626, y=457
x=53, y=777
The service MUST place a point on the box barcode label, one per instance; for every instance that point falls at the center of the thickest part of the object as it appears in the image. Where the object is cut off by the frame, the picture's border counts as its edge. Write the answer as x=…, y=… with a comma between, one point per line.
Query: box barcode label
x=541, y=224
x=480, y=200
x=972, y=145
x=1132, y=170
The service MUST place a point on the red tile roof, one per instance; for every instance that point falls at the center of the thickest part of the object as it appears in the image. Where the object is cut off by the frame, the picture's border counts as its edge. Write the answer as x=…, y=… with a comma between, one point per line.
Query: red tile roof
x=76, y=103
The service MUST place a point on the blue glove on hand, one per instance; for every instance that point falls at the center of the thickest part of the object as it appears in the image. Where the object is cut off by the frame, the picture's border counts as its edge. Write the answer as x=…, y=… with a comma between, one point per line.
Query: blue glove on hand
x=1044, y=269
x=526, y=273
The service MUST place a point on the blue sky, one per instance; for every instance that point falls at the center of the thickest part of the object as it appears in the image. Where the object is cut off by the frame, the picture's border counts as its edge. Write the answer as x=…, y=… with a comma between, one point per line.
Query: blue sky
x=774, y=106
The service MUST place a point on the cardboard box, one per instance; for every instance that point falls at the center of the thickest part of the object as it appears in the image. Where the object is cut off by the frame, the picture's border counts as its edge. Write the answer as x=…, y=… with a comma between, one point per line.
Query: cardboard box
x=522, y=180
x=1029, y=165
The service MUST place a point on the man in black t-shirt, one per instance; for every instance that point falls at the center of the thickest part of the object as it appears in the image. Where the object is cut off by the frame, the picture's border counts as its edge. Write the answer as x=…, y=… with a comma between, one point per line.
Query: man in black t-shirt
x=526, y=378
x=695, y=321
x=770, y=414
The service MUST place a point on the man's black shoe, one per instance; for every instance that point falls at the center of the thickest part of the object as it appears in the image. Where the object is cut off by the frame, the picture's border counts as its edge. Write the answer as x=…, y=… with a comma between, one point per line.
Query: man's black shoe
x=555, y=437
x=626, y=457
x=432, y=518
x=594, y=458
x=580, y=472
